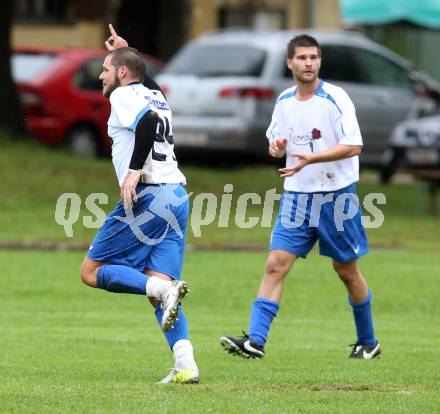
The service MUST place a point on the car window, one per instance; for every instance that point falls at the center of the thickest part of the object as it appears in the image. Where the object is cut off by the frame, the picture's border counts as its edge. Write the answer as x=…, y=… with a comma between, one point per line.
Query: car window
x=27, y=66
x=378, y=70
x=87, y=76
x=218, y=61
x=337, y=65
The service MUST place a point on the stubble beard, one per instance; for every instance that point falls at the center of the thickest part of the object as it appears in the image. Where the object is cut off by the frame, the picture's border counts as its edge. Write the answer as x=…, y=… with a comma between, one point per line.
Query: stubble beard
x=304, y=80
x=107, y=91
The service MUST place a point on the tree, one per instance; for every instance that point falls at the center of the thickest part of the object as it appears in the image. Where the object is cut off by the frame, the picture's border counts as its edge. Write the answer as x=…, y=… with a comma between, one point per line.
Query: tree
x=11, y=115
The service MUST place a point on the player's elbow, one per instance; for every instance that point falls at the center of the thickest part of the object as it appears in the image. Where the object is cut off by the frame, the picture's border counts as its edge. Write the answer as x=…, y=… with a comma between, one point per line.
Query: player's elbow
x=355, y=150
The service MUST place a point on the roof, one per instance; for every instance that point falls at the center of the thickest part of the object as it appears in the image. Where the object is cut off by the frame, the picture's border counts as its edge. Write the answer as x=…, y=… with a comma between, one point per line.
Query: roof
x=421, y=12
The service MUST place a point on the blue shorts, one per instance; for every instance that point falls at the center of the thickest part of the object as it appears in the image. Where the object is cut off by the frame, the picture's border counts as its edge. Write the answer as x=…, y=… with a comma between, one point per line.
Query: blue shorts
x=305, y=218
x=151, y=235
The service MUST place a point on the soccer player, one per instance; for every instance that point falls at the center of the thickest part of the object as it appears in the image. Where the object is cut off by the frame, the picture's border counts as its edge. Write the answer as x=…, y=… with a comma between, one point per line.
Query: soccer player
x=139, y=249
x=314, y=123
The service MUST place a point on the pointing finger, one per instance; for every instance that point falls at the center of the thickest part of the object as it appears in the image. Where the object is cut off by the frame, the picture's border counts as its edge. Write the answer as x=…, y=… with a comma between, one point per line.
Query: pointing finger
x=112, y=30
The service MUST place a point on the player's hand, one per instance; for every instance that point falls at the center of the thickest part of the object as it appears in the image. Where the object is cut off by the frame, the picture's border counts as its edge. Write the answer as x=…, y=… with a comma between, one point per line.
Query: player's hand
x=277, y=147
x=114, y=41
x=128, y=189
x=303, y=160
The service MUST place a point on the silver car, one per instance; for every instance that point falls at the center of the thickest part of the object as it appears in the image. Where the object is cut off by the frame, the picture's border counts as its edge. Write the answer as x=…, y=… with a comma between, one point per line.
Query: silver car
x=222, y=87
x=414, y=145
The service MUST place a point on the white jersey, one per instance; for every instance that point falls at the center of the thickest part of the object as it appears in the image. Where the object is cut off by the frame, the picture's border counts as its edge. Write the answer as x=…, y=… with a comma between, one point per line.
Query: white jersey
x=317, y=124
x=128, y=104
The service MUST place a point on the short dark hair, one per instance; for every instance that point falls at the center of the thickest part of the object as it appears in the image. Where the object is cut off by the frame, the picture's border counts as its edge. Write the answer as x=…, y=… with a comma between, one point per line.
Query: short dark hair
x=303, y=40
x=131, y=58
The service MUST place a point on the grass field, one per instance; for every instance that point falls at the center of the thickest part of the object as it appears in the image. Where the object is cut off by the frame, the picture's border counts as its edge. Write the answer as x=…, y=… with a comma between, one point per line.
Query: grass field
x=68, y=348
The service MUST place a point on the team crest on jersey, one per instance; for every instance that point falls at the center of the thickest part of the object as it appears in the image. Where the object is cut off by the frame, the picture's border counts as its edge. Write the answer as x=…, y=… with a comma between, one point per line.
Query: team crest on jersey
x=306, y=139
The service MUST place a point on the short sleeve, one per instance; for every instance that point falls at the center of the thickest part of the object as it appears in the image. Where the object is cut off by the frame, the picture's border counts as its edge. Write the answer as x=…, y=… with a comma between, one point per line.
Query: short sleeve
x=273, y=132
x=128, y=108
x=347, y=127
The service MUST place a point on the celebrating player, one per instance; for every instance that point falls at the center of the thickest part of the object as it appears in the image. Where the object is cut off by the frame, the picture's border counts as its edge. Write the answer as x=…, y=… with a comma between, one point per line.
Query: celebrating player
x=314, y=123
x=139, y=249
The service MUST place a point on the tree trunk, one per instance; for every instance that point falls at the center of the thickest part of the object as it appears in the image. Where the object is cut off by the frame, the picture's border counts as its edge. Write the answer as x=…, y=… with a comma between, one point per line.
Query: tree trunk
x=11, y=115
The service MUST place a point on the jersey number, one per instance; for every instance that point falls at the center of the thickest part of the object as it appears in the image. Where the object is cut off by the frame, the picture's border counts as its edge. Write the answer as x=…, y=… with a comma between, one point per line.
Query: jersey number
x=162, y=135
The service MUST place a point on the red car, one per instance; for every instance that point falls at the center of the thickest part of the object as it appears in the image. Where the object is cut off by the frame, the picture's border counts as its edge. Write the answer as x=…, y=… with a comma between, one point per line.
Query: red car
x=61, y=96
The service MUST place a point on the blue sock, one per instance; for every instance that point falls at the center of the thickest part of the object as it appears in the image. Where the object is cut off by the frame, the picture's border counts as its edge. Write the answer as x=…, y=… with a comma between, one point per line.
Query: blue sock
x=363, y=320
x=263, y=312
x=180, y=330
x=121, y=279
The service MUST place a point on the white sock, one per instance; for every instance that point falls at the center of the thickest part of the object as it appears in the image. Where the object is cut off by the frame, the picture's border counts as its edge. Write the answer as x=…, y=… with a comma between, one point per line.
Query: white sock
x=183, y=354
x=156, y=287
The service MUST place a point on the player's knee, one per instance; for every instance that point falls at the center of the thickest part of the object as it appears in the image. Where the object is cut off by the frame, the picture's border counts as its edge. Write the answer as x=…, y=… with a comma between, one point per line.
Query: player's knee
x=88, y=275
x=345, y=272
x=275, y=268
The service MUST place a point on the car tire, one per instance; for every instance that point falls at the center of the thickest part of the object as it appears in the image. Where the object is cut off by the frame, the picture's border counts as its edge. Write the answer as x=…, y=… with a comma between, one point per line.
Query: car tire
x=82, y=140
x=392, y=160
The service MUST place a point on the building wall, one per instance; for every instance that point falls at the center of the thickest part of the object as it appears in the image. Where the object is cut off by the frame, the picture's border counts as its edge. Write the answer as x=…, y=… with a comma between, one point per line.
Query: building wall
x=80, y=34
x=327, y=14
x=89, y=29
x=298, y=13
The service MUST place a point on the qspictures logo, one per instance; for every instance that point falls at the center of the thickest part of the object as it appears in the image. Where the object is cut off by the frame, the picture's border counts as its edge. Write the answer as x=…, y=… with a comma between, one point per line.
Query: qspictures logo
x=224, y=211
x=159, y=207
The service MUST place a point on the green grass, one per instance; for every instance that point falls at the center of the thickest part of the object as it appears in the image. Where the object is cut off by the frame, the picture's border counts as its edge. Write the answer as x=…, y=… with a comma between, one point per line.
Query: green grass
x=68, y=348
x=34, y=177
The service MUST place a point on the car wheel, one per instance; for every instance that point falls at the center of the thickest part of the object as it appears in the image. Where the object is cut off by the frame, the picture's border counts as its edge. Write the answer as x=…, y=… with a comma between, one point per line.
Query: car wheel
x=83, y=141
x=392, y=160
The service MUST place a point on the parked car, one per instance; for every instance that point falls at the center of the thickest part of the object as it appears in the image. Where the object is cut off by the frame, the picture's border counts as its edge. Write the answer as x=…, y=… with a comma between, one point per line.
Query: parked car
x=61, y=96
x=414, y=145
x=222, y=87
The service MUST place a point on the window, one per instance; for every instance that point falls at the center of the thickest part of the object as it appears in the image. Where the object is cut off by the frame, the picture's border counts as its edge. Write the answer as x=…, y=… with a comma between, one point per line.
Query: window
x=218, y=61
x=27, y=66
x=253, y=17
x=87, y=75
x=40, y=11
x=338, y=65
x=350, y=64
x=377, y=70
